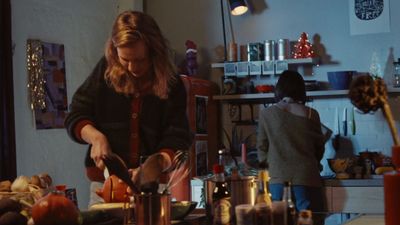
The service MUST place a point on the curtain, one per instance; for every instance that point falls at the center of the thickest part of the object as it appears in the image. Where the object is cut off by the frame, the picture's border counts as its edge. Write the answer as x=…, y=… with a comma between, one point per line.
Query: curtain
x=7, y=127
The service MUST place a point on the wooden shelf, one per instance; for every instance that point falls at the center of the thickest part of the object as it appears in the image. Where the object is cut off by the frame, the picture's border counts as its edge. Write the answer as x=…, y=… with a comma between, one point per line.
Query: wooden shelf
x=270, y=97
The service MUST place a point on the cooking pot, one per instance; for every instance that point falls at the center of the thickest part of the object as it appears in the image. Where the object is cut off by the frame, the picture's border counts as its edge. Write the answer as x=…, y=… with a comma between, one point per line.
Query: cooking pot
x=243, y=191
x=152, y=209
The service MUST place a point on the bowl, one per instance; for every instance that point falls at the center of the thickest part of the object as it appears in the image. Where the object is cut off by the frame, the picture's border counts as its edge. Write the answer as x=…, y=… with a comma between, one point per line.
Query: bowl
x=339, y=166
x=180, y=209
x=340, y=80
x=264, y=88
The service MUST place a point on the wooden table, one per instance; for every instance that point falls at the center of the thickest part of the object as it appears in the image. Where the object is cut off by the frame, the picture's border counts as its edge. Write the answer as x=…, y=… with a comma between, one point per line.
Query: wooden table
x=368, y=219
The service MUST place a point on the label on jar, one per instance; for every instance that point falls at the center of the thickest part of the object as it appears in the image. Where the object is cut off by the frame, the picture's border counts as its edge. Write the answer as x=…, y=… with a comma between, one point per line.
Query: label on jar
x=222, y=211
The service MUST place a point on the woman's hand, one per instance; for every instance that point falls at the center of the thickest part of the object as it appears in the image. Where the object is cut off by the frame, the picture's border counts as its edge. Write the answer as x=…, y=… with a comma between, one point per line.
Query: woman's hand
x=100, y=146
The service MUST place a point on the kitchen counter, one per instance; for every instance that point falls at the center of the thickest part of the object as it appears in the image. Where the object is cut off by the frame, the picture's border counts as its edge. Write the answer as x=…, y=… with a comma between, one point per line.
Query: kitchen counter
x=377, y=182
x=354, y=195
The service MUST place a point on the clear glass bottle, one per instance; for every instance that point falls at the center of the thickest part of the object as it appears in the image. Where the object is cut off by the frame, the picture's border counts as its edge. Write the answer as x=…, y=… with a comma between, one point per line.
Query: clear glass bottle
x=221, y=198
x=396, y=75
x=290, y=208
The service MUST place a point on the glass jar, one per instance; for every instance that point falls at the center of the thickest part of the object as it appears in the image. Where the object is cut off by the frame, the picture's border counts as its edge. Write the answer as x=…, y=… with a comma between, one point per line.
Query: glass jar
x=396, y=75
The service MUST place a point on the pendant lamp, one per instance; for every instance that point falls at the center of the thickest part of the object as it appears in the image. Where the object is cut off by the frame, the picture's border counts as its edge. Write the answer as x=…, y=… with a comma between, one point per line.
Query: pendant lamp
x=238, y=7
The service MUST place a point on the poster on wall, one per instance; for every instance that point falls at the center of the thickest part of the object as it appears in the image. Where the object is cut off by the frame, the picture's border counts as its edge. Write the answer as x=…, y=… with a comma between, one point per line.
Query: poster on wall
x=47, y=83
x=201, y=115
x=369, y=16
x=201, y=158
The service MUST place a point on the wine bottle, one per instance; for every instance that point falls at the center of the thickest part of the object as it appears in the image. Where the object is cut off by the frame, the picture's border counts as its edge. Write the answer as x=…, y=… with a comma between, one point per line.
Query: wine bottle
x=221, y=197
x=263, y=200
x=263, y=195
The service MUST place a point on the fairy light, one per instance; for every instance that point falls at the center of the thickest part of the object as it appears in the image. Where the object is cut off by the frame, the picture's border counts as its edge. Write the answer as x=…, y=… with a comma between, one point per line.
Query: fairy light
x=36, y=76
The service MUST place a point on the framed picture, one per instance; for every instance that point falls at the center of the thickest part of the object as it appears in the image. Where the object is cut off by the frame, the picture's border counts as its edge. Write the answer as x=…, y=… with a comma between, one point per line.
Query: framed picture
x=367, y=17
x=52, y=83
x=201, y=115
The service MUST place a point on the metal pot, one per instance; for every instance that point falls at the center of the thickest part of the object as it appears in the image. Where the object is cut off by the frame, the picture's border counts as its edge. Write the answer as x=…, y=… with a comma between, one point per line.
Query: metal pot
x=243, y=191
x=152, y=209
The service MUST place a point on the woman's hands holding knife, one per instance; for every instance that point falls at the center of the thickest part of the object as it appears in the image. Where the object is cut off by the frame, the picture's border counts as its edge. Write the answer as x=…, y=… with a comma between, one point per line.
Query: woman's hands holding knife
x=100, y=146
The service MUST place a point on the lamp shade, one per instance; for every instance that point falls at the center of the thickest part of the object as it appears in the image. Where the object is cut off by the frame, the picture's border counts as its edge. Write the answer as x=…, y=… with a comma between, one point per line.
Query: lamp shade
x=238, y=7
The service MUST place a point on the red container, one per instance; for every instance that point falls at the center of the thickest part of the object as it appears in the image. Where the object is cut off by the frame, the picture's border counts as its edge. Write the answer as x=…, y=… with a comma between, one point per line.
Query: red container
x=391, y=183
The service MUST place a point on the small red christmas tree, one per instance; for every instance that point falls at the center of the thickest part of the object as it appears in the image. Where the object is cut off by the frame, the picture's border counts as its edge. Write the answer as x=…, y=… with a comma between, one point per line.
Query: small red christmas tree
x=303, y=48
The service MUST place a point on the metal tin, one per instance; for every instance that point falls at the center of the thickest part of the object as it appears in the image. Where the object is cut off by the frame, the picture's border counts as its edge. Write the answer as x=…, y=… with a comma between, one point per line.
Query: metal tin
x=269, y=50
x=232, y=52
x=243, y=53
x=283, y=49
x=255, y=51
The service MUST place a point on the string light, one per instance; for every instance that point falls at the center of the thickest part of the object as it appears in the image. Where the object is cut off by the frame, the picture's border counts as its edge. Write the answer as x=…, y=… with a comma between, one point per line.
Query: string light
x=36, y=76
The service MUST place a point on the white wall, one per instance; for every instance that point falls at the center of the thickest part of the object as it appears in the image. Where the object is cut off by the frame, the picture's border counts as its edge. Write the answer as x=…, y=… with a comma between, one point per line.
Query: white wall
x=200, y=21
x=82, y=26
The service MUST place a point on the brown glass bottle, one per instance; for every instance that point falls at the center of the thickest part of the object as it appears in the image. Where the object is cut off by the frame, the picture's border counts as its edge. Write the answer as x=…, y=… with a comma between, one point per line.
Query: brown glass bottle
x=221, y=198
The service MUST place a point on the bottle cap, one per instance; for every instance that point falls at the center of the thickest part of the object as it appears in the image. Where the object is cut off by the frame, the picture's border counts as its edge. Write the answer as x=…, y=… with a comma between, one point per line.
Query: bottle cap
x=217, y=168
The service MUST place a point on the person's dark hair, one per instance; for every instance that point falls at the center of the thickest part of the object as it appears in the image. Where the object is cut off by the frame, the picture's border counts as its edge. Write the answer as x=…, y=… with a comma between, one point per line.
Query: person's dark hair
x=291, y=84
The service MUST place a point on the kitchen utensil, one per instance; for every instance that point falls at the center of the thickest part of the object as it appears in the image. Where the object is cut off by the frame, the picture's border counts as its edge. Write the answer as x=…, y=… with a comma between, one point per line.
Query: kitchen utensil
x=180, y=171
x=353, y=122
x=336, y=137
x=117, y=166
x=344, y=121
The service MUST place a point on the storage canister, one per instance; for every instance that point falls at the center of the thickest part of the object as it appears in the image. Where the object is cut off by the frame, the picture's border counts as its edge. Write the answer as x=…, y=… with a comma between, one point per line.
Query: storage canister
x=283, y=49
x=255, y=51
x=269, y=50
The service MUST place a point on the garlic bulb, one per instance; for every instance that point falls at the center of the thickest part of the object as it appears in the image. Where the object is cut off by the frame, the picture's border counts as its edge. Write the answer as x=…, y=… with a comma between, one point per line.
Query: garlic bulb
x=21, y=184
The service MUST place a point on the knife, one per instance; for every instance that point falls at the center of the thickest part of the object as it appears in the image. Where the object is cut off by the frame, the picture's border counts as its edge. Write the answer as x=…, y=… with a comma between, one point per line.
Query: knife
x=353, y=122
x=336, y=129
x=344, y=121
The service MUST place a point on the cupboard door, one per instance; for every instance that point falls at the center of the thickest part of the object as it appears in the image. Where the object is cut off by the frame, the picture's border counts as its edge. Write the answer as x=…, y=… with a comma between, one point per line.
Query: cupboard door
x=357, y=199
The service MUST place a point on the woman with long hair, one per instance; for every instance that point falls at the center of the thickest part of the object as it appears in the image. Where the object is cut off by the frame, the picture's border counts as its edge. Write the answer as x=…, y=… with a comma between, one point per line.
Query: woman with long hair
x=133, y=103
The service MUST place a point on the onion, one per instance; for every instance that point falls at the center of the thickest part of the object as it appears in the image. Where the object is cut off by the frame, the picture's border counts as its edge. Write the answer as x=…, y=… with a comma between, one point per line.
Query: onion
x=21, y=184
x=53, y=209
